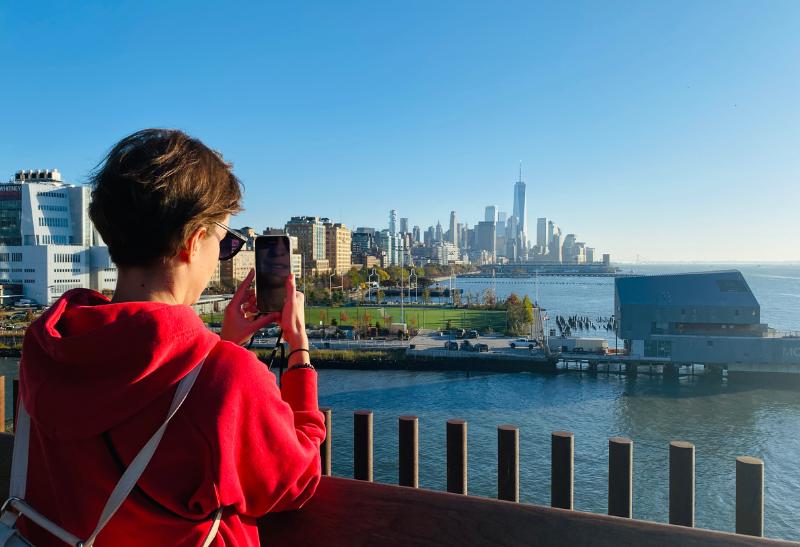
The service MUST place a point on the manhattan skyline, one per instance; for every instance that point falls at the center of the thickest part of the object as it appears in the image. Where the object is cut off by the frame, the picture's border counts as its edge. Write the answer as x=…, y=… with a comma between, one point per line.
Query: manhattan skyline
x=667, y=132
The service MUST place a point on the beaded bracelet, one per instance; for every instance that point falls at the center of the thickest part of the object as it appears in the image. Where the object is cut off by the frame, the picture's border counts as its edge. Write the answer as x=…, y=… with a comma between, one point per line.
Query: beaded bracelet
x=301, y=365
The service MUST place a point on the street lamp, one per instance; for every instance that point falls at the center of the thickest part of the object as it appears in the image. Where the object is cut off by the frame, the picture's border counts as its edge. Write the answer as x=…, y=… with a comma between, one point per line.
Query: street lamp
x=413, y=274
x=369, y=282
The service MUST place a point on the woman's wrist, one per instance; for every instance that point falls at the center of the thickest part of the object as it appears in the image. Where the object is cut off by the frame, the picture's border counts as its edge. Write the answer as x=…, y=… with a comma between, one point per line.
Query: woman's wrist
x=297, y=341
x=298, y=352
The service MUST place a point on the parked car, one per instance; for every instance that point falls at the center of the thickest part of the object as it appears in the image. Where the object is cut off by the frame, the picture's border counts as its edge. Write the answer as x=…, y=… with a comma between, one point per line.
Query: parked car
x=466, y=346
x=471, y=334
x=481, y=347
x=450, y=345
x=530, y=343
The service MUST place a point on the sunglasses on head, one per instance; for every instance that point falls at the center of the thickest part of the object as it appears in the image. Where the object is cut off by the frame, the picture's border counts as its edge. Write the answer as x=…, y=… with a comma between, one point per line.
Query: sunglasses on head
x=232, y=243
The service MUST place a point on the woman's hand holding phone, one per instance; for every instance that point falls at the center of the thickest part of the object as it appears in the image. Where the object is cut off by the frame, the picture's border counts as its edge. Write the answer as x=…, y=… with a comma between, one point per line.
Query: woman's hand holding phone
x=241, y=318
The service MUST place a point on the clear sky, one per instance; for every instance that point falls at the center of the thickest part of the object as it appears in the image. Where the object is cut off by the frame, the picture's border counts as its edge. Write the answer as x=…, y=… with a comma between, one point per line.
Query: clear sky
x=667, y=130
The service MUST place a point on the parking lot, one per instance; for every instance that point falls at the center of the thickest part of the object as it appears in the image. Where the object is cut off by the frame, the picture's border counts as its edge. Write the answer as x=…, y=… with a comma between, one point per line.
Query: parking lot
x=497, y=344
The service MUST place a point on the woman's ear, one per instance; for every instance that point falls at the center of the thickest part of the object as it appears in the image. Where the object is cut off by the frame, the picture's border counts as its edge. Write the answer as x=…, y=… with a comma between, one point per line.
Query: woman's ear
x=192, y=246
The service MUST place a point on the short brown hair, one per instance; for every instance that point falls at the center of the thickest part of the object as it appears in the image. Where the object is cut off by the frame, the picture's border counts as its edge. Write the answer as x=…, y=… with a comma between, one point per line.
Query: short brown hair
x=153, y=189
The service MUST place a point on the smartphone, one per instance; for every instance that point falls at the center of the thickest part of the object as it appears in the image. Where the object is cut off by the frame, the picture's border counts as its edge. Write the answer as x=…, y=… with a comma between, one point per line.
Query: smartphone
x=273, y=266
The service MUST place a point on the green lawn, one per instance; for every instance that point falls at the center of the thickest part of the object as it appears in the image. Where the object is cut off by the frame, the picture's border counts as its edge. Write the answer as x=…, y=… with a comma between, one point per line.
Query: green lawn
x=417, y=316
x=433, y=317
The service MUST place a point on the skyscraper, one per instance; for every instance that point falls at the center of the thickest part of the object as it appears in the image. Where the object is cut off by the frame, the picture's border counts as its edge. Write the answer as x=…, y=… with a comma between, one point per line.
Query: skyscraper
x=415, y=234
x=404, y=225
x=453, y=233
x=541, y=234
x=555, y=245
x=520, y=211
x=429, y=237
x=490, y=214
x=438, y=233
x=485, y=237
x=392, y=222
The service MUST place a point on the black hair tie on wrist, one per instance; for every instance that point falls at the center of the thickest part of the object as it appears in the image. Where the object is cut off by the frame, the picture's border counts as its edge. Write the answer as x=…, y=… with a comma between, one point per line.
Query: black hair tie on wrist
x=295, y=351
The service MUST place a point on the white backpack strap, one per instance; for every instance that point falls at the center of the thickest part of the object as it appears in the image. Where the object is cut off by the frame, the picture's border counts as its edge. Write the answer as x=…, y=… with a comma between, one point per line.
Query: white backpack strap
x=137, y=466
x=212, y=533
x=19, y=461
x=19, y=465
x=16, y=504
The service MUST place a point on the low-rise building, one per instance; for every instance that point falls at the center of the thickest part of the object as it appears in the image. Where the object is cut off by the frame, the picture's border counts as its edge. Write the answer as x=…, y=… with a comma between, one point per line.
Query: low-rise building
x=48, y=244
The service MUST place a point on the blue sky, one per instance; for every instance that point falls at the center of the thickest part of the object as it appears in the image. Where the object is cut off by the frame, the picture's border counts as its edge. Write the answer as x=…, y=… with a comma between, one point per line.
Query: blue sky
x=667, y=130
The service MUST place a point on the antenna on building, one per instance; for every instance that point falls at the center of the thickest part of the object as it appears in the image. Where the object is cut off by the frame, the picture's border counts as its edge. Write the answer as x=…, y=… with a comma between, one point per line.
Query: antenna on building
x=520, y=170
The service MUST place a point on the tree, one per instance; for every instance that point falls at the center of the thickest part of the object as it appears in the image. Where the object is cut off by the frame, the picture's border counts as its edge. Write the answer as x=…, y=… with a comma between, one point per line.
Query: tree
x=527, y=310
x=489, y=298
x=426, y=296
x=354, y=278
x=343, y=317
x=379, y=296
x=515, y=312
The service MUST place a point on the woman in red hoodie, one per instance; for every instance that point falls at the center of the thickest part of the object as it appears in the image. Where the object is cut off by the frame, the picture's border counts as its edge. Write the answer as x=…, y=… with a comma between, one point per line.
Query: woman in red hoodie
x=98, y=376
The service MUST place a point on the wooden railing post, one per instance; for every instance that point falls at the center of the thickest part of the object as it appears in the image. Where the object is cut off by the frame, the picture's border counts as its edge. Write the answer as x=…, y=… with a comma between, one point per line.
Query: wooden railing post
x=681, y=483
x=620, y=477
x=15, y=396
x=508, y=463
x=749, y=496
x=562, y=448
x=2, y=403
x=408, y=473
x=325, y=447
x=457, y=456
x=362, y=445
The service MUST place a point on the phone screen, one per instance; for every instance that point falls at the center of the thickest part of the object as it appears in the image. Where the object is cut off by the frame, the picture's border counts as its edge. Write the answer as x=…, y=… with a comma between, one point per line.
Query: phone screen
x=273, y=266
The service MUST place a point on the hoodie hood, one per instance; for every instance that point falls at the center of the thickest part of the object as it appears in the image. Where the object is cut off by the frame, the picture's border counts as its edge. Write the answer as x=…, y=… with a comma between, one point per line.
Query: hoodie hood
x=89, y=364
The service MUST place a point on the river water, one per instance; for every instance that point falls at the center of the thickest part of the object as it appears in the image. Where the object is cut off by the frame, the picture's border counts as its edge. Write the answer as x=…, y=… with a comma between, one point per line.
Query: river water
x=723, y=421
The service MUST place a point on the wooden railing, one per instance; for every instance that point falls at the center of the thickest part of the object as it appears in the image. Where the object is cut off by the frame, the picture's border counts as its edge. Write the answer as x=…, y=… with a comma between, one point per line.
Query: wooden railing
x=347, y=512
x=749, y=486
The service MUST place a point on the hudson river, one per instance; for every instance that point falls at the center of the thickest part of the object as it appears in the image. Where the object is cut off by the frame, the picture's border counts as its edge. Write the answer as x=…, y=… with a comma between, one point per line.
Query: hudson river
x=722, y=421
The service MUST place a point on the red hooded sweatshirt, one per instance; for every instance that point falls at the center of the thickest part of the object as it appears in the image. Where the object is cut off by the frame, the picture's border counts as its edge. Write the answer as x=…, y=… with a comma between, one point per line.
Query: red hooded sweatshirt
x=97, y=379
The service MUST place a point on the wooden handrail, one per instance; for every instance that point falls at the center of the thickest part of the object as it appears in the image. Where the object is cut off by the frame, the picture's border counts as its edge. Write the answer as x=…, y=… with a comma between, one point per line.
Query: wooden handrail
x=346, y=512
